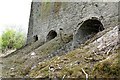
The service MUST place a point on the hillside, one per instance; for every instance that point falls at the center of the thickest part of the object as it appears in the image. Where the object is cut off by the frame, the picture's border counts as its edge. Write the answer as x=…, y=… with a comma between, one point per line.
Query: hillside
x=98, y=57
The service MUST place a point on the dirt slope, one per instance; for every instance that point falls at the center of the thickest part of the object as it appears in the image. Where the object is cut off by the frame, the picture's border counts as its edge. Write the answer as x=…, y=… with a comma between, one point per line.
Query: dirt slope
x=39, y=60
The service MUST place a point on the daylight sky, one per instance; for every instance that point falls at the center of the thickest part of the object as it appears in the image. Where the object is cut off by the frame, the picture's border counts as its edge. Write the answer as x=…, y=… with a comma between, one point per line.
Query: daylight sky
x=14, y=14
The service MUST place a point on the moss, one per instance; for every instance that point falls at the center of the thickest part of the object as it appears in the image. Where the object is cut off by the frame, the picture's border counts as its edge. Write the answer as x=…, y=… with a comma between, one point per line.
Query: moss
x=107, y=68
x=19, y=61
x=77, y=72
x=45, y=70
x=66, y=71
x=45, y=9
x=57, y=6
x=103, y=68
x=65, y=61
x=118, y=51
x=69, y=62
x=37, y=71
x=53, y=45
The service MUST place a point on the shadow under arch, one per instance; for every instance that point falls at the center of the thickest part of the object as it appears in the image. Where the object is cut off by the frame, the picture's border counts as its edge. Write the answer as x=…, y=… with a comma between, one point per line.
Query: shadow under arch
x=87, y=30
x=51, y=35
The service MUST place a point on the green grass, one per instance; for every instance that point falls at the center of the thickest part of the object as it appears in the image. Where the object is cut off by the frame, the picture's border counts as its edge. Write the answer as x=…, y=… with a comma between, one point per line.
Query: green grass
x=22, y=59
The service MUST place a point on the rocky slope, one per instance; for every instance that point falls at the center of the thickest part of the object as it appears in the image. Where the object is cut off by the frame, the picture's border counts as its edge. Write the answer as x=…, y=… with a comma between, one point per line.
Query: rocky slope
x=98, y=57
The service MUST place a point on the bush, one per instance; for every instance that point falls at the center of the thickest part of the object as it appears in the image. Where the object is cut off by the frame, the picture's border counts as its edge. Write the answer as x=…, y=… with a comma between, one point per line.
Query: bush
x=0, y=43
x=11, y=39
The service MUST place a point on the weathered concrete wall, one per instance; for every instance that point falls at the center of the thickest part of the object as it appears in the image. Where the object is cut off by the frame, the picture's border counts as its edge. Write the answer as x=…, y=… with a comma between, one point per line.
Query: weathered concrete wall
x=47, y=16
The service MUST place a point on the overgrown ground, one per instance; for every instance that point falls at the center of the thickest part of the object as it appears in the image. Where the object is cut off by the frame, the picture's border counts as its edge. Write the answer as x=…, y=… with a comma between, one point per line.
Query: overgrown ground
x=22, y=60
x=71, y=65
x=36, y=61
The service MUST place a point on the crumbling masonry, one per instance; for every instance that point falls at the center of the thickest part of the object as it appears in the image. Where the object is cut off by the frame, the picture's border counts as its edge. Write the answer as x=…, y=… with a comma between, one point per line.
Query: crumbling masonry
x=82, y=19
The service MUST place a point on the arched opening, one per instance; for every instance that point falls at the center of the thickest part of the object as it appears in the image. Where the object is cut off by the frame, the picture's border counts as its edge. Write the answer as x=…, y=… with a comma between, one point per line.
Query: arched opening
x=35, y=38
x=87, y=30
x=51, y=35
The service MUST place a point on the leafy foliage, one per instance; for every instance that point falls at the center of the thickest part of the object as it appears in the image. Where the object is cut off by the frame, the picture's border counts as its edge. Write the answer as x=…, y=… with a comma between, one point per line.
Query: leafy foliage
x=0, y=42
x=11, y=39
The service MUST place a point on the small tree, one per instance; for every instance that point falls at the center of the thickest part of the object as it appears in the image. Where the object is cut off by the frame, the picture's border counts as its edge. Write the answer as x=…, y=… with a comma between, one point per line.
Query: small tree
x=0, y=44
x=12, y=39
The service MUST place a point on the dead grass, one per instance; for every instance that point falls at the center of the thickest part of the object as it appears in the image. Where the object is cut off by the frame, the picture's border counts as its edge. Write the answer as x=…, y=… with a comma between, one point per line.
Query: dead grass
x=109, y=67
x=20, y=61
x=70, y=64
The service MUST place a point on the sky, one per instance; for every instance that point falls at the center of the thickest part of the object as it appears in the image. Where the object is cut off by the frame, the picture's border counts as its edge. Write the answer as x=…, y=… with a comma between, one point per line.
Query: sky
x=14, y=14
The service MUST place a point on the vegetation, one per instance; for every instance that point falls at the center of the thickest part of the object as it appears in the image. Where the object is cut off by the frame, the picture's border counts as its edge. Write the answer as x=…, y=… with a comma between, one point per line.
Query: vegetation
x=69, y=65
x=109, y=67
x=46, y=8
x=12, y=39
x=0, y=43
x=21, y=60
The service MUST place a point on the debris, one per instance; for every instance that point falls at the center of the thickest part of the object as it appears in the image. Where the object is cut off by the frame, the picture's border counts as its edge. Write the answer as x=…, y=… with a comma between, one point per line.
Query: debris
x=12, y=75
x=77, y=62
x=63, y=77
x=85, y=73
x=109, y=51
x=33, y=54
x=12, y=68
x=33, y=67
x=51, y=68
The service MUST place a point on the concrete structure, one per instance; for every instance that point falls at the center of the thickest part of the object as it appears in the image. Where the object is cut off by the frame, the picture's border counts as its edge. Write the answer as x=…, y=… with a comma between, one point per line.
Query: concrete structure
x=82, y=19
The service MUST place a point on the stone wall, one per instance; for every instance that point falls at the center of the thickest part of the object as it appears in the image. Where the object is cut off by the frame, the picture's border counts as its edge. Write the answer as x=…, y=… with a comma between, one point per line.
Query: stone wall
x=68, y=16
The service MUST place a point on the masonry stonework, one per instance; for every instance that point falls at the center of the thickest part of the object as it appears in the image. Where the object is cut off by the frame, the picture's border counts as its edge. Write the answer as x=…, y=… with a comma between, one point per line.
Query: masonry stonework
x=69, y=17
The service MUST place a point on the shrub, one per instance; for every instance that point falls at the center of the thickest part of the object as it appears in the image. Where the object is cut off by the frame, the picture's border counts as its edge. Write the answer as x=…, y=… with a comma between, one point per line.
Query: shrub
x=0, y=43
x=11, y=39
